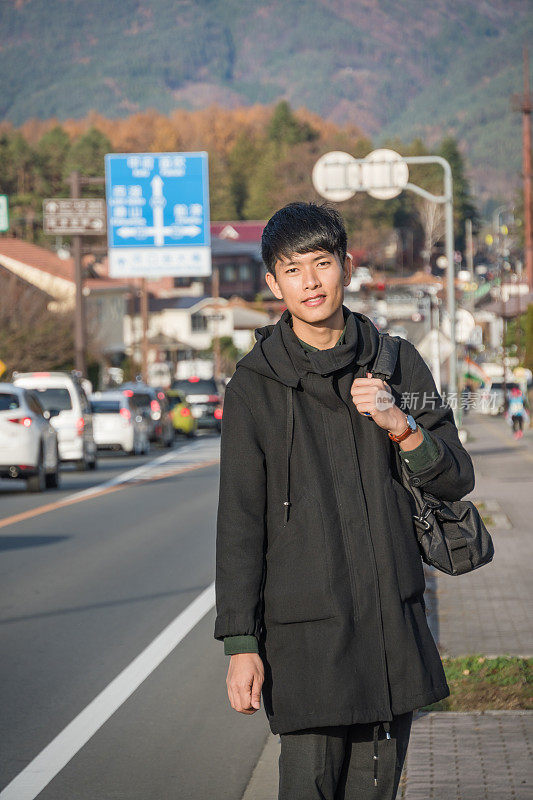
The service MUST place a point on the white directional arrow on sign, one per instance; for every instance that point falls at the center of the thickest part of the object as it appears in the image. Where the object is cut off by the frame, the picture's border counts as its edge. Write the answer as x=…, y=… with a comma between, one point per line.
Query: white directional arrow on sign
x=158, y=203
x=174, y=231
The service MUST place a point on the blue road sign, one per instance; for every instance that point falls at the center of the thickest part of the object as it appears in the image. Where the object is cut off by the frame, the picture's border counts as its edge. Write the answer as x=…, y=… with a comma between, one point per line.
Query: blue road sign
x=158, y=214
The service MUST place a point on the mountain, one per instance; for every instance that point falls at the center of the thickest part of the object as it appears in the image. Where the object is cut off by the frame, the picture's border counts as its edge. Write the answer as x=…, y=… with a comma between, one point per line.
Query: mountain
x=394, y=69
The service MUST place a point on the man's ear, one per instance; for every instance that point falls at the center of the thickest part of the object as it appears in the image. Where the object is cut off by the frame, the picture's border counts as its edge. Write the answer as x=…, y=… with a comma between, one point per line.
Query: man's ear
x=347, y=269
x=273, y=285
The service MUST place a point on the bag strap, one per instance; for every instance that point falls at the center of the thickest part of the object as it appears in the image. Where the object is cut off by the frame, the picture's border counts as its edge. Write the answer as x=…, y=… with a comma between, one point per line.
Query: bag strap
x=386, y=356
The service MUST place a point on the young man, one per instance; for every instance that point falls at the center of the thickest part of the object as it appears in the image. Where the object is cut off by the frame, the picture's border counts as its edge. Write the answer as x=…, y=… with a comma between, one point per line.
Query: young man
x=319, y=580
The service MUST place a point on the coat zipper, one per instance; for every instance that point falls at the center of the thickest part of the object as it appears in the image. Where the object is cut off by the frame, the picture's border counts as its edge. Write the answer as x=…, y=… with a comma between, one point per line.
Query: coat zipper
x=374, y=567
x=345, y=535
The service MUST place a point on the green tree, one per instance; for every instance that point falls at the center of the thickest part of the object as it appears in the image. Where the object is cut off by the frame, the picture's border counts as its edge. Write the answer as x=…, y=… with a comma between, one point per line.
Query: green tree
x=243, y=158
x=262, y=186
x=87, y=155
x=463, y=204
x=51, y=153
x=221, y=199
x=285, y=128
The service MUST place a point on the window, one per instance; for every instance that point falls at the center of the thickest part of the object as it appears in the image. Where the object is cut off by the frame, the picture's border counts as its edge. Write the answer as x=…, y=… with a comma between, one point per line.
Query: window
x=200, y=386
x=198, y=322
x=244, y=272
x=34, y=404
x=229, y=273
x=105, y=406
x=8, y=401
x=57, y=398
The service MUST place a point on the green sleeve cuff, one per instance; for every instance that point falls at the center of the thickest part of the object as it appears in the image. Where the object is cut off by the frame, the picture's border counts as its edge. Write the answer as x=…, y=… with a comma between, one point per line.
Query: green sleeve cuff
x=423, y=455
x=240, y=644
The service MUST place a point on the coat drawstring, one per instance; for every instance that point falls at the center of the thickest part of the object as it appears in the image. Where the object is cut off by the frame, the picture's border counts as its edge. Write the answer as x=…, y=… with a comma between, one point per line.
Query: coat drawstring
x=386, y=727
x=290, y=428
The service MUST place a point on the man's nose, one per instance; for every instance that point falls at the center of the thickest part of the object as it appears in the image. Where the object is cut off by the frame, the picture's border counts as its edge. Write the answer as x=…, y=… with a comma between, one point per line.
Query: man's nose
x=311, y=279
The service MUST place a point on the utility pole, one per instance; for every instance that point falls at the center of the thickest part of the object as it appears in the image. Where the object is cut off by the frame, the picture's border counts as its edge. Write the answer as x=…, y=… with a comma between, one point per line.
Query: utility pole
x=216, y=340
x=524, y=103
x=469, y=248
x=79, y=314
x=144, y=317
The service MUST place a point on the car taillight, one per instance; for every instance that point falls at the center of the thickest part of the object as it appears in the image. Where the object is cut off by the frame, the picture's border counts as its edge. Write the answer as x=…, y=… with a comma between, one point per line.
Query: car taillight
x=185, y=412
x=154, y=405
x=126, y=413
x=26, y=421
x=127, y=393
x=80, y=426
x=213, y=398
x=218, y=413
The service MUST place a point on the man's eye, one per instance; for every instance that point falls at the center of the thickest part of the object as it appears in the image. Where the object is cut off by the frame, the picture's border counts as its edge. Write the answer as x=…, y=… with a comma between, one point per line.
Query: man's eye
x=324, y=263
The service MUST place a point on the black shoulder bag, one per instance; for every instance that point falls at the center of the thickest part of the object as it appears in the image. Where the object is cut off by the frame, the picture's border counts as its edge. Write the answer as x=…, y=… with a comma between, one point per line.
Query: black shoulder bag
x=451, y=534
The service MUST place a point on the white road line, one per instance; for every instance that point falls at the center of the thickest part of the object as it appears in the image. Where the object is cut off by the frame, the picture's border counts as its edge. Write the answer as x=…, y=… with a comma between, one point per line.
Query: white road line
x=50, y=761
x=190, y=454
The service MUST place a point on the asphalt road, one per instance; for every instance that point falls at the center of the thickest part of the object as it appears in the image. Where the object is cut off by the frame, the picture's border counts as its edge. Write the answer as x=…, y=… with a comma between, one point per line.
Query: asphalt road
x=88, y=583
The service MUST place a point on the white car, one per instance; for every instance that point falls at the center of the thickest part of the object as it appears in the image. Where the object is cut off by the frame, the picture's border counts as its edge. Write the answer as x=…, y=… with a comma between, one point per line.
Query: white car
x=28, y=442
x=117, y=423
x=63, y=396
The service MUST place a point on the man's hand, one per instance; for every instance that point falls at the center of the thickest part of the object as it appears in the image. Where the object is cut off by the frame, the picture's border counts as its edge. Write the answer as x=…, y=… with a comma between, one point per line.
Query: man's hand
x=373, y=398
x=245, y=679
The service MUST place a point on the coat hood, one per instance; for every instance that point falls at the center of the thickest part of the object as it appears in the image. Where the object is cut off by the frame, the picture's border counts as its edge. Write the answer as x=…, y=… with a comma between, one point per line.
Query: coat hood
x=277, y=353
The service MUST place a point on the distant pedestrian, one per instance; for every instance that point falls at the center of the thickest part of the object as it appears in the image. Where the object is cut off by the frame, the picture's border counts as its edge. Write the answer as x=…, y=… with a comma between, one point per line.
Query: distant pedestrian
x=516, y=411
x=319, y=579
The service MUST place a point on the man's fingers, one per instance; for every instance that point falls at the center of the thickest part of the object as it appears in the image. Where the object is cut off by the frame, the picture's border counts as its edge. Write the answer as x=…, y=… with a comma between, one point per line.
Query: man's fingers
x=256, y=692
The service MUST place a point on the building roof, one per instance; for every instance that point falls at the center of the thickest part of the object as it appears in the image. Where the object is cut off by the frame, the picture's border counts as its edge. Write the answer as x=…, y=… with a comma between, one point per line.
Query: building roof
x=239, y=230
x=183, y=302
x=231, y=247
x=35, y=256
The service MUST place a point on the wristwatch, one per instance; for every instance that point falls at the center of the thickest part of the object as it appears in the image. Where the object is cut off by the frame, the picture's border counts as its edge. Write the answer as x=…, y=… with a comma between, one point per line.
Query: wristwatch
x=412, y=427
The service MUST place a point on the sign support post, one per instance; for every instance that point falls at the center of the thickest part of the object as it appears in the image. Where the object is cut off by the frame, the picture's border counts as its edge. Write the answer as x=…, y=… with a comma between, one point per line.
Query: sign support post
x=79, y=313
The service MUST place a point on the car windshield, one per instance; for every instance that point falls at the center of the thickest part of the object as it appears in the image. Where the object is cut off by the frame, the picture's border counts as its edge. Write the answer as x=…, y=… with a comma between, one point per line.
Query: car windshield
x=57, y=398
x=174, y=400
x=200, y=386
x=105, y=406
x=8, y=401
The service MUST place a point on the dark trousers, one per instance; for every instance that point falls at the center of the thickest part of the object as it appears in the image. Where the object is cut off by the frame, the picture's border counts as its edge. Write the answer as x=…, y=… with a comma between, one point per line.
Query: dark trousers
x=337, y=762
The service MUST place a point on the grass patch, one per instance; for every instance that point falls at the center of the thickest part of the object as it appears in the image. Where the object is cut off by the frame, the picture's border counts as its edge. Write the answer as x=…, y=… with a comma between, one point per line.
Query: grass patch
x=478, y=683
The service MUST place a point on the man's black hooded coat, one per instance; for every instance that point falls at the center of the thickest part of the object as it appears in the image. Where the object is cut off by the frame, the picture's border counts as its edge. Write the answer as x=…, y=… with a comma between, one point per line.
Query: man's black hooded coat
x=333, y=589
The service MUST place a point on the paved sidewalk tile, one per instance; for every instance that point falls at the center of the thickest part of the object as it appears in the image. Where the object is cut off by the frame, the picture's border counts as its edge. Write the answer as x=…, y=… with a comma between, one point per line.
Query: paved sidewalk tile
x=489, y=610
x=470, y=756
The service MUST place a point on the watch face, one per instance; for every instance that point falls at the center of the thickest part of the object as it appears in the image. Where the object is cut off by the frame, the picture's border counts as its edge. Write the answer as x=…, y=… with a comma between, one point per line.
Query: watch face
x=411, y=422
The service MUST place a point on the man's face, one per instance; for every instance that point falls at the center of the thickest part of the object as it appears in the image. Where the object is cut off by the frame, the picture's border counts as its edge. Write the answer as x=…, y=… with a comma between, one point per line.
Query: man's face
x=311, y=284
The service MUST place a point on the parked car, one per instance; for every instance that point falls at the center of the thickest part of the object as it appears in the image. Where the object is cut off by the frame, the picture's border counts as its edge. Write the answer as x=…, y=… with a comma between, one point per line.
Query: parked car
x=63, y=395
x=204, y=398
x=181, y=414
x=28, y=442
x=153, y=405
x=117, y=424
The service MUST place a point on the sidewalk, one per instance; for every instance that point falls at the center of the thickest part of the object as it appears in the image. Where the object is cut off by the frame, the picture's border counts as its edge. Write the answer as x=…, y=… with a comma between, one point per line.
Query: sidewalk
x=489, y=610
x=471, y=755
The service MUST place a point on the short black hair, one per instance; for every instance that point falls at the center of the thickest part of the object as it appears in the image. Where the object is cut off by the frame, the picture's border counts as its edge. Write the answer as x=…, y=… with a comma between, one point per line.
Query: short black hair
x=303, y=228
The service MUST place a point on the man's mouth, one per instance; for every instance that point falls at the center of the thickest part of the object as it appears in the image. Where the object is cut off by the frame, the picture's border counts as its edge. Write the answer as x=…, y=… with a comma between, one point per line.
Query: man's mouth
x=315, y=300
